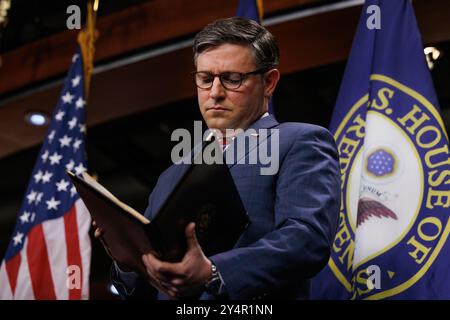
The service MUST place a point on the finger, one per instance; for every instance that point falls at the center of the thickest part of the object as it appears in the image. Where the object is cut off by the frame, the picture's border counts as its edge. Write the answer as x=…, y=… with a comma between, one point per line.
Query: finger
x=158, y=286
x=173, y=294
x=163, y=269
x=182, y=286
x=152, y=264
x=150, y=261
x=151, y=277
x=163, y=287
x=163, y=278
x=94, y=224
x=177, y=282
x=98, y=233
x=168, y=286
x=191, y=238
x=157, y=280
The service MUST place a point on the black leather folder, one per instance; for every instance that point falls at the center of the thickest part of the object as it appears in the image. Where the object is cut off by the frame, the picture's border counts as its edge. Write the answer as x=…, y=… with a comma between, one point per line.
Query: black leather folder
x=206, y=194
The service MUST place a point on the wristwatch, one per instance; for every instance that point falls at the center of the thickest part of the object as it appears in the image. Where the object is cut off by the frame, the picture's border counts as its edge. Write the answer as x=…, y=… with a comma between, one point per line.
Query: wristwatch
x=215, y=286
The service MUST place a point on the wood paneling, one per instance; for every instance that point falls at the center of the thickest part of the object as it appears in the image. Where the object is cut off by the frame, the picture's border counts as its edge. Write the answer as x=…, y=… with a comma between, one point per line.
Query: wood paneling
x=139, y=26
x=304, y=43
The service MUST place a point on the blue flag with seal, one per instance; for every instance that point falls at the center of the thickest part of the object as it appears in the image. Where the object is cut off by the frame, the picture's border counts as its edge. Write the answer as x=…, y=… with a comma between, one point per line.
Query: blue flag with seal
x=392, y=239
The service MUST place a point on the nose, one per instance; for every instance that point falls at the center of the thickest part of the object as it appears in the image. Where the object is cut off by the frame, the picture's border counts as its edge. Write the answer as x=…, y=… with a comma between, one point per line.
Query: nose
x=217, y=91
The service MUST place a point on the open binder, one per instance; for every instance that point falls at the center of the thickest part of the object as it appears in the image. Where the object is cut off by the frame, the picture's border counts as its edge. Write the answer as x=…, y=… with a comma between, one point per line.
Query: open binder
x=206, y=194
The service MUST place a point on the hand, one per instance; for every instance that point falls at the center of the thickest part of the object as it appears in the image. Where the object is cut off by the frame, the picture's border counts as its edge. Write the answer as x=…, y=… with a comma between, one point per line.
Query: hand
x=98, y=234
x=180, y=279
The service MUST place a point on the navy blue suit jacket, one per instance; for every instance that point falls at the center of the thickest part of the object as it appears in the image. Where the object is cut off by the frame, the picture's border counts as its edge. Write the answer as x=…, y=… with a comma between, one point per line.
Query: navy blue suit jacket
x=293, y=217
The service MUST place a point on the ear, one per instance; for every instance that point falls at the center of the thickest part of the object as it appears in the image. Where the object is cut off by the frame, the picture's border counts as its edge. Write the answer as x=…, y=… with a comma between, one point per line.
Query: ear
x=270, y=82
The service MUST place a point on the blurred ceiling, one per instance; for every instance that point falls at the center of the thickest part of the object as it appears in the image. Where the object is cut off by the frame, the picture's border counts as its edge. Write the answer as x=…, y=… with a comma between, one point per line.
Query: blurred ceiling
x=141, y=89
x=31, y=20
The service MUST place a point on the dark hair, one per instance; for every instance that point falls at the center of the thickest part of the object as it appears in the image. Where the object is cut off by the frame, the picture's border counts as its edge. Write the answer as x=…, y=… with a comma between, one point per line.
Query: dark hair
x=240, y=31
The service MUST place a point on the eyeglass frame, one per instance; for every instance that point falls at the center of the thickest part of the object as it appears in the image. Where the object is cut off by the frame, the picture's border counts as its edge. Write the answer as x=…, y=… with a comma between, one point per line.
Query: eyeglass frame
x=242, y=75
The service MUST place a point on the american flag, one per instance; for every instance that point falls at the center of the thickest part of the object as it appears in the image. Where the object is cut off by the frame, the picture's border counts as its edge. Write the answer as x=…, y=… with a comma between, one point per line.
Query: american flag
x=49, y=253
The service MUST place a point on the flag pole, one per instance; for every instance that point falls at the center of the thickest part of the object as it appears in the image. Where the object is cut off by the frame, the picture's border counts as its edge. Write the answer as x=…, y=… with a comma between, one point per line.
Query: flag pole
x=86, y=40
x=260, y=6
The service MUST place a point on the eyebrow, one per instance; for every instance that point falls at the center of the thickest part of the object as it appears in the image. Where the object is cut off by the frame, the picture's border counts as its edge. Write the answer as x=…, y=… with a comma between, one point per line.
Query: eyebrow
x=227, y=71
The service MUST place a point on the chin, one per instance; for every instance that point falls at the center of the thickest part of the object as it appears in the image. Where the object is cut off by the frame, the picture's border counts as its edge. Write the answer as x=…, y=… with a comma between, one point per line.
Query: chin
x=220, y=124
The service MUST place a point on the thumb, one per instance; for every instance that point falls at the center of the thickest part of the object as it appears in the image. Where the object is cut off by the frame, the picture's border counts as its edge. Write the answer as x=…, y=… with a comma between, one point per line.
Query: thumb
x=191, y=238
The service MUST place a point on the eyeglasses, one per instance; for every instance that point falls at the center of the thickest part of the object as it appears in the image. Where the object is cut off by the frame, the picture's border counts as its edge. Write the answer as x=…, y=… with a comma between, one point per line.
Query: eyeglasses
x=229, y=80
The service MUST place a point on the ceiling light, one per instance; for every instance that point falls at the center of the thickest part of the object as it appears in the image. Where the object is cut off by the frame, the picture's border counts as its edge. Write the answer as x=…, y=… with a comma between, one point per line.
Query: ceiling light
x=37, y=118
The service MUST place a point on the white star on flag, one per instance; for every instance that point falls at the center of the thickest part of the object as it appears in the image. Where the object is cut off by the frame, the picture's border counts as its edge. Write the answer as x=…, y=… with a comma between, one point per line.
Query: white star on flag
x=18, y=238
x=67, y=98
x=74, y=58
x=65, y=141
x=75, y=81
x=55, y=158
x=51, y=135
x=73, y=191
x=62, y=185
x=46, y=177
x=52, y=204
x=80, y=103
x=33, y=215
x=72, y=123
x=70, y=165
x=79, y=169
x=39, y=197
x=45, y=156
x=38, y=176
x=82, y=127
x=59, y=116
x=77, y=143
x=24, y=217
x=31, y=196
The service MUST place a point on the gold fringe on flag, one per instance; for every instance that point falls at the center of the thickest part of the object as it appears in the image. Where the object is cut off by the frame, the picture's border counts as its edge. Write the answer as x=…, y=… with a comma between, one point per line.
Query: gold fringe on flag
x=259, y=5
x=86, y=39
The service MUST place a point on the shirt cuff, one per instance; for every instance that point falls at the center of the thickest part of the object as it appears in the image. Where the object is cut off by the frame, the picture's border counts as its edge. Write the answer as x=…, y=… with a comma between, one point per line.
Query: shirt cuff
x=124, y=277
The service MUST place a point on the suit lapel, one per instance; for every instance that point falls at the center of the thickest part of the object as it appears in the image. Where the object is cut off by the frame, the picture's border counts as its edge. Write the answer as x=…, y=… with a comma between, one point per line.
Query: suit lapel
x=239, y=150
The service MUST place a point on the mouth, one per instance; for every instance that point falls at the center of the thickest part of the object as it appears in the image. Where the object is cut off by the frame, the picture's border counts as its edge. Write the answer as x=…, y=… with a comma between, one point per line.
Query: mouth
x=217, y=108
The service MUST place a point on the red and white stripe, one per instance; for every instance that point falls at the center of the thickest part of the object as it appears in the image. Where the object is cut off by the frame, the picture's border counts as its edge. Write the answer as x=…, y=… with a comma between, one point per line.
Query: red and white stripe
x=40, y=270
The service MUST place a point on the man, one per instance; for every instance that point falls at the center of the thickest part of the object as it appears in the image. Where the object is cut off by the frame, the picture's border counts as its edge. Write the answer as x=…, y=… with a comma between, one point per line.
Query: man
x=293, y=213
